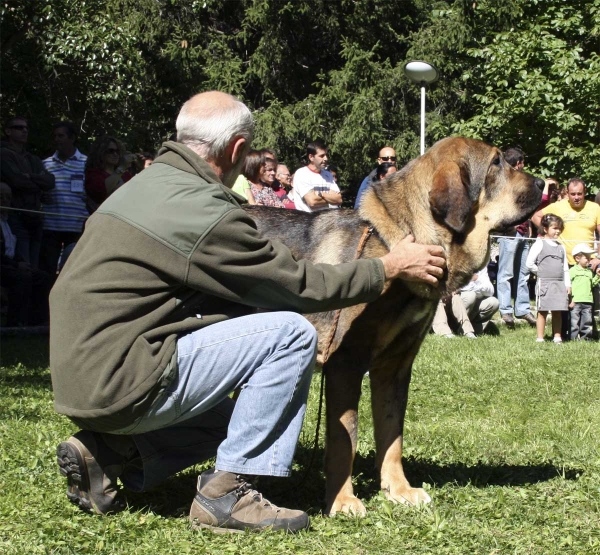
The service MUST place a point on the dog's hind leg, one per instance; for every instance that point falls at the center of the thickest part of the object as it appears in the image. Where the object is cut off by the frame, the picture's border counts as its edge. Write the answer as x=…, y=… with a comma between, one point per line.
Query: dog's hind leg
x=389, y=396
x=343, y=389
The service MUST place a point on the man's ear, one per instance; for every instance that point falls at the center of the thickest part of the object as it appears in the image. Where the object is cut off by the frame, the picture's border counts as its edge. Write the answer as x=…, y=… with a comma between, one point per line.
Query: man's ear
x=449, y=196
x=238, y=148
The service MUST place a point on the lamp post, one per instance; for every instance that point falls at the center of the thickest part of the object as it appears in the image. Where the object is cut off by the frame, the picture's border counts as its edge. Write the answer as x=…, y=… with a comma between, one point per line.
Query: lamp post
x=423, y=74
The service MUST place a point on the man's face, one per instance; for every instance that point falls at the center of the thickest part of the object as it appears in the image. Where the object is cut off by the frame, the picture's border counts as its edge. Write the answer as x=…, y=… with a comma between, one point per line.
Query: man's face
x=386, y=154
x=576, y=194
x=62, y=141
x=283, y=176
x=18, y=131
x=319, y=160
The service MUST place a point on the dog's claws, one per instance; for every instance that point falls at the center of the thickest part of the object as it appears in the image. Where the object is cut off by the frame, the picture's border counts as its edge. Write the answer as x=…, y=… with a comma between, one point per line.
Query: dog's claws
x=349, y=506
x=412, y=496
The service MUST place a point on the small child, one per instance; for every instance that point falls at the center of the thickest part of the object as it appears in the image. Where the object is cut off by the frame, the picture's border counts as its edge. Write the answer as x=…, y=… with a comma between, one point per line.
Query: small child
x=583, y=279
x=548, y=259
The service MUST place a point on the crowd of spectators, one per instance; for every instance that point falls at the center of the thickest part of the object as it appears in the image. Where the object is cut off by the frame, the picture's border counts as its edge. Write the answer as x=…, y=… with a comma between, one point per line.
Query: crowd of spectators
x=44, y=206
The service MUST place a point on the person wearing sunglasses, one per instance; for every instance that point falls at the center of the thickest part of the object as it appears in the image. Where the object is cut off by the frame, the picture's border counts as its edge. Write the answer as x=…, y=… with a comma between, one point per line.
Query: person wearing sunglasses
x=106, y=170
x=28, y=179
x=386, y=154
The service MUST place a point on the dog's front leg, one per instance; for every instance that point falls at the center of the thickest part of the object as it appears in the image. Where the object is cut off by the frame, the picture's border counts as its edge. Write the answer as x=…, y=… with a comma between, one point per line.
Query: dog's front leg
x=389, y=398
x=343, y=394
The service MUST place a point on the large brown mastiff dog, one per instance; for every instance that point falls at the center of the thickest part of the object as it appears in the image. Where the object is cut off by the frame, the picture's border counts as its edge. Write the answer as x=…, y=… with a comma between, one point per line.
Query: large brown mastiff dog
x=453, y=196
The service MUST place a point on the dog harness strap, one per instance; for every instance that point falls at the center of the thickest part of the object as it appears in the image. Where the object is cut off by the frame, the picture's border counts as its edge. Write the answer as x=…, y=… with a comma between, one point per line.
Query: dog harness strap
x=368, y=231
x=336, y=318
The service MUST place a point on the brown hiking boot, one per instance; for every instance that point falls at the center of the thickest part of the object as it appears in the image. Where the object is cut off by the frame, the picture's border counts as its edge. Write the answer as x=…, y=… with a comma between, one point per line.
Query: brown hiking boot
x=226, y=502
x=509, y=321
x=91, y=469
x=530, y=319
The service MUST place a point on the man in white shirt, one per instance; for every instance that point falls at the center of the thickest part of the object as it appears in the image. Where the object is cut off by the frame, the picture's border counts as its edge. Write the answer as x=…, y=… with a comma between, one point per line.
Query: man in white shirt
x=478, y=298
x=471, y=308
x=314, y=187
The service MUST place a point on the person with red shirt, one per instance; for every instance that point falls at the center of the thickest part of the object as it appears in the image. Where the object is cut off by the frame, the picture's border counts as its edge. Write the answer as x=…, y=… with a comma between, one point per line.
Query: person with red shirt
x=105, y=171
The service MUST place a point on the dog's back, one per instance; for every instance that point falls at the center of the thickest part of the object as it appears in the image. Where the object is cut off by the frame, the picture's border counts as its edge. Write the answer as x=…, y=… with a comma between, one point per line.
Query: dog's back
x=329, y=236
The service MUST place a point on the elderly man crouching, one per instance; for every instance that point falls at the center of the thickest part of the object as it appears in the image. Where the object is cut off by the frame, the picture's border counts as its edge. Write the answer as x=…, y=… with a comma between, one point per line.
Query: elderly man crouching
x=152, y=329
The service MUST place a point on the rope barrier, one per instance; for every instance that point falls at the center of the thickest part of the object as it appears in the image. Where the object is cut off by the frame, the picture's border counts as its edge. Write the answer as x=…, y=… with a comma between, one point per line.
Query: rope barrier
x=536, y=238
x=45, y=213
x=86, y=217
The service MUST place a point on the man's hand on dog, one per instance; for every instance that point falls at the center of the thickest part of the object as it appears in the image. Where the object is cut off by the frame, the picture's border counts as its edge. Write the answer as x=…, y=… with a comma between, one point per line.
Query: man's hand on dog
x=411, y=261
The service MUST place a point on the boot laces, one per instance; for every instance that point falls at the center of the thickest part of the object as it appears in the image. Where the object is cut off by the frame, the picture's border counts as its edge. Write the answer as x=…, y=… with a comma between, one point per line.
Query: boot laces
x=245, y=488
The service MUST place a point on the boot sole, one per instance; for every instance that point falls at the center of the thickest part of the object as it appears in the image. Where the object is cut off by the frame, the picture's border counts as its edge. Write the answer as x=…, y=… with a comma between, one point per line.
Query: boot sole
x=217, y=530
x=71, y=465
x=71, y=458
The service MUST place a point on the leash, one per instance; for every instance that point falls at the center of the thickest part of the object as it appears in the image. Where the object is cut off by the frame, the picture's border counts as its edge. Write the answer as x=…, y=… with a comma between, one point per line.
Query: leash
x=368, y=231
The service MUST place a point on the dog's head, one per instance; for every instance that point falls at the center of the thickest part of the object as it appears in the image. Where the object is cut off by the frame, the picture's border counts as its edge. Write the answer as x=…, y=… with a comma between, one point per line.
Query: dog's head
x=472, y=181
x=454, y=196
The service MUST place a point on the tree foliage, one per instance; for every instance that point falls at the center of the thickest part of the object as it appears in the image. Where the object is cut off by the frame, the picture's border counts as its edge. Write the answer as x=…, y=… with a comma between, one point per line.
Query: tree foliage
x=538, y=85
x=514, y=72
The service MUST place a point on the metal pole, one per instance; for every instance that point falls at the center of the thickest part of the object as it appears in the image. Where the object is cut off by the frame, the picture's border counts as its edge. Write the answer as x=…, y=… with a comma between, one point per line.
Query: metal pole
x=422, y=118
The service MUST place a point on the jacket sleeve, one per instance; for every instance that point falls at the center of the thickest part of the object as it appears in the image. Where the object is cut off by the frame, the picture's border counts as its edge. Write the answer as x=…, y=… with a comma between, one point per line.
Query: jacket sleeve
x=13, y=176
x=41, y=176
x=233, y=261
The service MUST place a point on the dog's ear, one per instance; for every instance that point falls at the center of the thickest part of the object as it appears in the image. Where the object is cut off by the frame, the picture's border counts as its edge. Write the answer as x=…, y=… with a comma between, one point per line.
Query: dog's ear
x=449, y=195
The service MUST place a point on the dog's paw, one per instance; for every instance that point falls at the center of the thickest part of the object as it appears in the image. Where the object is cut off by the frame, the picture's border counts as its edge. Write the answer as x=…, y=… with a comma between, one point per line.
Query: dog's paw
x=409, y=496
x=347, y=504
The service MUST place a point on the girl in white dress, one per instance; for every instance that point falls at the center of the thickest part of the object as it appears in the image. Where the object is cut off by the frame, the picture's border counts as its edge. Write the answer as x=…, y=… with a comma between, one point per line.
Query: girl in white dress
x=547, y=258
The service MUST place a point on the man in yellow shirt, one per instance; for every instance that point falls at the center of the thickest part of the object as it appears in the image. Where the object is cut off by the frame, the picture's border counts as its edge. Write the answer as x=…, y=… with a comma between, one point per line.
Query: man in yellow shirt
x=581, y=217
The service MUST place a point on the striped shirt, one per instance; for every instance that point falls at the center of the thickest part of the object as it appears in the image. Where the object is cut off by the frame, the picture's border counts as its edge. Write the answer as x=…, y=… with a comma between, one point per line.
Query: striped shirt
x=68, y=196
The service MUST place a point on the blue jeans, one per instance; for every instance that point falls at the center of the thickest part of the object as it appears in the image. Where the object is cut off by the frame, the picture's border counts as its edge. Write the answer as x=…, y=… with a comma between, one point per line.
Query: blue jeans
x=270, y=357
x=511, y=265
x=28, y=230
x=581, y=321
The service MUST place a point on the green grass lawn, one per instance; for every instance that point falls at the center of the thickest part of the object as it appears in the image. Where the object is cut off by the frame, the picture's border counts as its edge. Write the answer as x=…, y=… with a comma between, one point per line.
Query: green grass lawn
x=504, y=433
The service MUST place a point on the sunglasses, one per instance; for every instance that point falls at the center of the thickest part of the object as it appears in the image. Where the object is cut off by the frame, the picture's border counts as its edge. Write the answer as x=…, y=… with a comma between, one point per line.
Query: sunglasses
x=19, y=127
x=388, y=158
x=112, y=151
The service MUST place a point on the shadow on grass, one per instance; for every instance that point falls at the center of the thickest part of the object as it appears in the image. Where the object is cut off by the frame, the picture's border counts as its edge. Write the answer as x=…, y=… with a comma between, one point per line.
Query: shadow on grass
x=305, y=489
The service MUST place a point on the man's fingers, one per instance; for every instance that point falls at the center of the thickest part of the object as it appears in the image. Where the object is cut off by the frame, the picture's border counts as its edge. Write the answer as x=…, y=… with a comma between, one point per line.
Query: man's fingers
x=429, y=279
x=435, y=271
x=436, y=250
x=438, y=261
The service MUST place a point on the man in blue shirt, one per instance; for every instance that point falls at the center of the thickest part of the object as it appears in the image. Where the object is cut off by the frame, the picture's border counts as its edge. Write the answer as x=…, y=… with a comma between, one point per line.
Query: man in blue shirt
x=386, y=154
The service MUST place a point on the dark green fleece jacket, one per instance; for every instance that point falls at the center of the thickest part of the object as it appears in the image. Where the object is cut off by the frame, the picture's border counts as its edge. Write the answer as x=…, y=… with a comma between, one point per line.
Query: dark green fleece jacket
x=166, y=254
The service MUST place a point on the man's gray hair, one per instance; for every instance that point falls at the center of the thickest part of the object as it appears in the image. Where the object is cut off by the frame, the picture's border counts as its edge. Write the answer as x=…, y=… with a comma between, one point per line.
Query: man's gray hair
x=208, y=129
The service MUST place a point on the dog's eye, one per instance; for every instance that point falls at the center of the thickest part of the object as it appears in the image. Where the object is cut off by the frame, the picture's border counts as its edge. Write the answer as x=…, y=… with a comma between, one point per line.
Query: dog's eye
x=496, y=161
